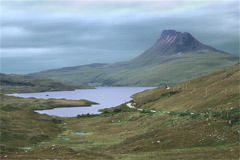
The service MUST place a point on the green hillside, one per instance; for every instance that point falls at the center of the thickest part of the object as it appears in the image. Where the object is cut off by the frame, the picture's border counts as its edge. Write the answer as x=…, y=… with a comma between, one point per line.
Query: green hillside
x=24, y=84
x=196, y=119
x=217, y=91
x=174, y=58
x=20, y=126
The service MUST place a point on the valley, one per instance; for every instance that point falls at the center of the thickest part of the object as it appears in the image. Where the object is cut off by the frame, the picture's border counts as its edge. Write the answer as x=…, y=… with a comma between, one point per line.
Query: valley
x=119, y=80
x=195, y=119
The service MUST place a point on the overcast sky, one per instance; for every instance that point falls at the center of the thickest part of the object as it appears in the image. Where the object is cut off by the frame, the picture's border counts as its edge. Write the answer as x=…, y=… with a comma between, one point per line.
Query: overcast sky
x=48, y=34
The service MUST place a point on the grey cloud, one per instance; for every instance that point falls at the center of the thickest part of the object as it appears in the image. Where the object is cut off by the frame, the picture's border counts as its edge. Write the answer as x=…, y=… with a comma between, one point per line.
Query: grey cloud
x=76, y=39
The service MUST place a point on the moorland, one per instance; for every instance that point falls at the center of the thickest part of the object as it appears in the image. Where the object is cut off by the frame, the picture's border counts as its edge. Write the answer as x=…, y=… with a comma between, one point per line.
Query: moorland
x=194, y=119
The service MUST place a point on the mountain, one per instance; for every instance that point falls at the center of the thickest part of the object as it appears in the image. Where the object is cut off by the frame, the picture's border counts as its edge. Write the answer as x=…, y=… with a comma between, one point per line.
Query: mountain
x=10, y=83
x=174, y=57
x=171, y=43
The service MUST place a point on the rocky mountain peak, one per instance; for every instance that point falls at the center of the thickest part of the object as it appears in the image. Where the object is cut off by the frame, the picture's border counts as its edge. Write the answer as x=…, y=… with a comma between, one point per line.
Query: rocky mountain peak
x=173, y=42
x=178, y=38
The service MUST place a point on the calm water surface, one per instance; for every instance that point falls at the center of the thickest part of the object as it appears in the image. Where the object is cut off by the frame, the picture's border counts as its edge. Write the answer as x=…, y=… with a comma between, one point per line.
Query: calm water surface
x=107, y=97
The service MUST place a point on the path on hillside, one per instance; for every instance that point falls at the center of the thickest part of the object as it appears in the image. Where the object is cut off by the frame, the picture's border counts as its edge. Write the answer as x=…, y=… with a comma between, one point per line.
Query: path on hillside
x=130, y=105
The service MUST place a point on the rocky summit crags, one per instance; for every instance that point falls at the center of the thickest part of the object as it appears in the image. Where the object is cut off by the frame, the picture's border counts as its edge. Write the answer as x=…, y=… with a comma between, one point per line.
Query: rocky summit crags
x=182, y=42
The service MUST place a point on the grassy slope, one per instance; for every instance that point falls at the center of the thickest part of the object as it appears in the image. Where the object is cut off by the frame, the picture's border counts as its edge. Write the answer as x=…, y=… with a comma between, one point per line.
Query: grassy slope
x=218, y=91
x=163, y=70
x=21, y=126
x=20, y=83
x=170, y=133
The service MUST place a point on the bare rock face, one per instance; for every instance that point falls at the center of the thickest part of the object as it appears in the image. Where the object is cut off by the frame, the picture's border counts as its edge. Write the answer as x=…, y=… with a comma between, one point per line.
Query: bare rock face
x=172, y=36
x=168, y=36
x=173, y=42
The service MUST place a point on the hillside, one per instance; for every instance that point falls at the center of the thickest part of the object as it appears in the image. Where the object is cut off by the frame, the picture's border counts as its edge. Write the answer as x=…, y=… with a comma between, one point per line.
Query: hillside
x=196, y=119
x=214, y=92
x=25, y=84
x=175, y=57
x=20, y=126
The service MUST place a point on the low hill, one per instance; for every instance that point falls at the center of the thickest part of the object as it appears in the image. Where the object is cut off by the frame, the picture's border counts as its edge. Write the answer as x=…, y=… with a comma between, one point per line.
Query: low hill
x=11, y=83
x=175, y=57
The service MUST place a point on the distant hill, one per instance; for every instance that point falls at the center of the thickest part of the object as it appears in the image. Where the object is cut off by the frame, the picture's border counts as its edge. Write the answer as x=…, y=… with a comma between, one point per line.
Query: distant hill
x=10, y=83
x=175, y=57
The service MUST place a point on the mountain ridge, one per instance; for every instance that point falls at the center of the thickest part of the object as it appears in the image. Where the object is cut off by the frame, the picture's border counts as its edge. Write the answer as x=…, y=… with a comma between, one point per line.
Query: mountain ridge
x=174, y=57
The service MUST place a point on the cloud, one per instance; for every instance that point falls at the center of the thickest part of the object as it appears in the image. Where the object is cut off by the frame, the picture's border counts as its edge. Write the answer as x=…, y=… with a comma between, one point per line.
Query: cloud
x=82, y=32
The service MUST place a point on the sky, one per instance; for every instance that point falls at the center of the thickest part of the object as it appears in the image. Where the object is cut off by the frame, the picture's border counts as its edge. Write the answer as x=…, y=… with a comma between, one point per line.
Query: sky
x=39, y=35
